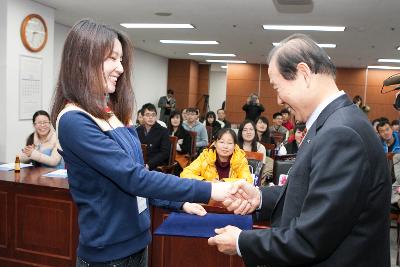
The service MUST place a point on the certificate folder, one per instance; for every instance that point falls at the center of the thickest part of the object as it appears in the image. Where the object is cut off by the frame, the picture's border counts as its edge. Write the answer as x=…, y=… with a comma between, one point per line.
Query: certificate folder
x=183, y=224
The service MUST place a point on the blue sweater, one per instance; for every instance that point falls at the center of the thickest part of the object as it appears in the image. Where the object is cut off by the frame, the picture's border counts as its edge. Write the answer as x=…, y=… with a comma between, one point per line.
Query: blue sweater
x=106, y=175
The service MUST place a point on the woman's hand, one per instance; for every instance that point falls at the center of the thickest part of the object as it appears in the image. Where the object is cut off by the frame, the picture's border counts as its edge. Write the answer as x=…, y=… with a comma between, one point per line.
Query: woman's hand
x=194, y=208
x=28, y=150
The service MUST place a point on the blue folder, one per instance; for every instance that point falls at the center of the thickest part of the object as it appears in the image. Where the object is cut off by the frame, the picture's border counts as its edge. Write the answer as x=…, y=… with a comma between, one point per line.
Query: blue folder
x=183, y=224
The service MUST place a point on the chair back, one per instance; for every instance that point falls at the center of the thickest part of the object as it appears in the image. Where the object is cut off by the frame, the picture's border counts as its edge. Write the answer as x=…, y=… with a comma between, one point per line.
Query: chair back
x=209, y=133
x=256, y=163
x=192, y=152
x=172, y=153
x=282, y=165
x=278, y=137
x=144, y=152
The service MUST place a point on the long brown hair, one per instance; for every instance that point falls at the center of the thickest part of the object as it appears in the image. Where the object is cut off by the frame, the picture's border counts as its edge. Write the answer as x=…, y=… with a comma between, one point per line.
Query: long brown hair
x=81, y=79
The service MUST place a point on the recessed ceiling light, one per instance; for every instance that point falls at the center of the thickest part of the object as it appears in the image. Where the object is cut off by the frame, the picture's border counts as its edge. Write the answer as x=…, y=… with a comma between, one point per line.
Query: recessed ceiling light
x=304, y=28
x=384, y=67
x=187, y=42
x=224, y=67
x=398, y=48
x=389, y=60
x=212, y=54
x=156, y=26
x=225, y=61
x=320, y=45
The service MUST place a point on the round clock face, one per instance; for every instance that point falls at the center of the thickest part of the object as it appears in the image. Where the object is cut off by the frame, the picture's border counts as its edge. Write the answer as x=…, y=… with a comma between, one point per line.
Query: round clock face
x=34, y=32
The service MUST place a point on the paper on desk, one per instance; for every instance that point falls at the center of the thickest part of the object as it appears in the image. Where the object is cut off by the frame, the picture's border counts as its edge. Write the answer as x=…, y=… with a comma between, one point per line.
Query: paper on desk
x=61, y=173
x=11, y=166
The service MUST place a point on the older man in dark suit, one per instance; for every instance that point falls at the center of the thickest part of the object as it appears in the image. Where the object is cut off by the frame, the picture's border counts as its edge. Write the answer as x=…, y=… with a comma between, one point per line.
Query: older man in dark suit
x=334, y=210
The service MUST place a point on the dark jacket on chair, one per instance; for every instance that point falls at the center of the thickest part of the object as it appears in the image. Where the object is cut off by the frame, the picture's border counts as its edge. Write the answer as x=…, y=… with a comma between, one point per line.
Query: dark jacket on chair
x=334, y=210
x=158, y=144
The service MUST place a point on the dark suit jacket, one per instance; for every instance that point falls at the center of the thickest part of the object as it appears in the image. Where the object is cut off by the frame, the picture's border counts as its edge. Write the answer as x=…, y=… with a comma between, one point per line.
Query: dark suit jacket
x=158, y=144
x=334, y=211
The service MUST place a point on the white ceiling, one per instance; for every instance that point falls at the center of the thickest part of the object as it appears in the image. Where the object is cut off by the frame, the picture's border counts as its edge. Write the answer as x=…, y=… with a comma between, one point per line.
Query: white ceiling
x=373, y=26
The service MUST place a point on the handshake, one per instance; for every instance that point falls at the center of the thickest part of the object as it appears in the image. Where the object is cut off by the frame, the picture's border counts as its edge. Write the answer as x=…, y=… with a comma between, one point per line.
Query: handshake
x=240, y=197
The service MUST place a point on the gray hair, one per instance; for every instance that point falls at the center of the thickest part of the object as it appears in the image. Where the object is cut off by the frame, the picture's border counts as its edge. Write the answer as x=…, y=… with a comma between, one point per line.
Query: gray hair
x=299, y=48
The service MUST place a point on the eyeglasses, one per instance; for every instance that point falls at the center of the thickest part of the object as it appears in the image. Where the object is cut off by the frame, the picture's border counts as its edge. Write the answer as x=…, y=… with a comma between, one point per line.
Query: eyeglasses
x=42, y=123
x=148, y=115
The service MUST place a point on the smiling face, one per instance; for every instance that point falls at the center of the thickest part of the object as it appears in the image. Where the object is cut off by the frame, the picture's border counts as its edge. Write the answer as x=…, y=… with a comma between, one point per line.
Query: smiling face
x=293, y=93
x=248, y=132
x=225, y=146
x=261, y=126
x=42, y=125
x=112, y=67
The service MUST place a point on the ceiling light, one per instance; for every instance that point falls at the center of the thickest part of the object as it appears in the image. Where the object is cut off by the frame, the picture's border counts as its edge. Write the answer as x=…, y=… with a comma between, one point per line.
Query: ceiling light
x=224, y=67
x=398, y=48
x=212, y=54
x=384, y=67
x=225, y=61
x=320, y=45
x=156, y=26
x=304, y=28
x=389, y=60
x=187, y=42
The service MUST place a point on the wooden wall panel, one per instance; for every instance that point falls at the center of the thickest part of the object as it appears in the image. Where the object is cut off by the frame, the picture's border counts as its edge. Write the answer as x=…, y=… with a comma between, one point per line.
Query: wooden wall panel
x=242, y=78
x=3, y=217
x=44, y=226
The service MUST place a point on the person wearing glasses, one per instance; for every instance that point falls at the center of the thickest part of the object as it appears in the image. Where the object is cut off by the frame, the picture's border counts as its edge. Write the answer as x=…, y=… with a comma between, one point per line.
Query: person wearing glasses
x=92, y=110
x=155, y=136
x=41, y=145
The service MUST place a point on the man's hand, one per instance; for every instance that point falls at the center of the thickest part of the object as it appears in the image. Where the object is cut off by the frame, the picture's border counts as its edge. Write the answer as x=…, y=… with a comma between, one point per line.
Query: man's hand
x=245, y=198
x=194, y=208
x=225, y=240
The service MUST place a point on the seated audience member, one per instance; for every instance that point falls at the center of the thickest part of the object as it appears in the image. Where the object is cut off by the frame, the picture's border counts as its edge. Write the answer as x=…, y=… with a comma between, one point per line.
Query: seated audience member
x=41, y=145
x=247, y=140
x=277, y=127
x=395, y=126
x=211, y=120
x=192, y=124
x=263, y=133
x=155, y=137
x=184, y=140
x=224, y=160
x=293, y=146
x=390, y=140
x=286, y=121
x=139, y=118
x=222, y=118
x=253, y=108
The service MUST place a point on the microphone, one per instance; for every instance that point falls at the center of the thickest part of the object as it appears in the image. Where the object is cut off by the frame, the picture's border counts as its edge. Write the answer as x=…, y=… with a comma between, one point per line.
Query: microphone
x=394, y=79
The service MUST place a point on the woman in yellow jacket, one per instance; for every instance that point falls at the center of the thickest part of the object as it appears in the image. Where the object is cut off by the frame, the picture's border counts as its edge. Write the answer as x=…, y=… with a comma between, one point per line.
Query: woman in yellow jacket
x=224, y=160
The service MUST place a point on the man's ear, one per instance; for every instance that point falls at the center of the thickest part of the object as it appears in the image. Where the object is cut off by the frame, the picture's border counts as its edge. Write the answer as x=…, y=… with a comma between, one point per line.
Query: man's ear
x=305, y=71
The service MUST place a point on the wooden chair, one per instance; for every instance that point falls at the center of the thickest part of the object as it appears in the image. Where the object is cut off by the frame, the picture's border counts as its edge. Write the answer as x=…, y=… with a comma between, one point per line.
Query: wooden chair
x=278, y=137
x=192, y=153
x=172, y=154
x=256, y=162
x=144, y=151
x=209, y=133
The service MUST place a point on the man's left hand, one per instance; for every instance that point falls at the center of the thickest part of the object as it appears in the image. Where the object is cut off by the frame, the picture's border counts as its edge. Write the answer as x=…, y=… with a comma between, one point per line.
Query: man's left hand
x=225, y=240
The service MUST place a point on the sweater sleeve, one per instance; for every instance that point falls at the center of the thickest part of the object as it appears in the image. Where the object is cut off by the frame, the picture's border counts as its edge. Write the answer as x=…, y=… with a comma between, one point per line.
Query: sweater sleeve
x=84, y=142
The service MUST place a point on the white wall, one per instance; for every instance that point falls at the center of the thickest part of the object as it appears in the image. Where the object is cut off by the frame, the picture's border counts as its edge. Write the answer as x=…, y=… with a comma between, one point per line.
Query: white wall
x=60, y=34
x=217, y=89
x=17, y=130
x=150, y=75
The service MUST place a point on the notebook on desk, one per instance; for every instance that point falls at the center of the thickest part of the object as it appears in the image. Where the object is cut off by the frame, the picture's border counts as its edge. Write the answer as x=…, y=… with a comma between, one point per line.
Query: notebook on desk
x=188, y=225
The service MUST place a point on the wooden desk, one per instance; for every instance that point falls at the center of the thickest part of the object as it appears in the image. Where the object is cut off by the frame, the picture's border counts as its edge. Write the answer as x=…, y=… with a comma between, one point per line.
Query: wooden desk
x=186, y=251
x=38, y=220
